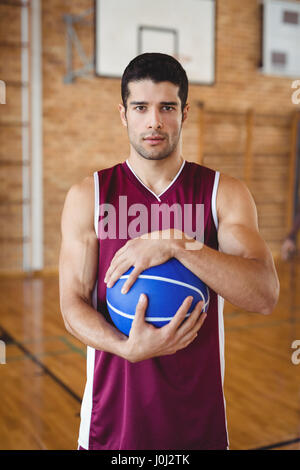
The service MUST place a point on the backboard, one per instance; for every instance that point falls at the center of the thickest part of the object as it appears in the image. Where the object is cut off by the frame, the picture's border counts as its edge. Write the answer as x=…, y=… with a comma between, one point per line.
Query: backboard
x=184, y=29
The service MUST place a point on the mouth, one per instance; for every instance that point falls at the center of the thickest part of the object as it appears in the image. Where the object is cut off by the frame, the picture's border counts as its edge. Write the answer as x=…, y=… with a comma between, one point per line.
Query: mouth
x=154, y=139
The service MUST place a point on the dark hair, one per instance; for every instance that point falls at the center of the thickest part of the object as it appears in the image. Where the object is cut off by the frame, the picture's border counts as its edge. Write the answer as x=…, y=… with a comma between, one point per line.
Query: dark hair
x=158, y=68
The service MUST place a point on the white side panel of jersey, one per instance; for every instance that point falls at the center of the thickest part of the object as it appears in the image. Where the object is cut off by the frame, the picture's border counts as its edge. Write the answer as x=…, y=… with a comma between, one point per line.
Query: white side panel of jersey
x=87, y=401
x=220, y=299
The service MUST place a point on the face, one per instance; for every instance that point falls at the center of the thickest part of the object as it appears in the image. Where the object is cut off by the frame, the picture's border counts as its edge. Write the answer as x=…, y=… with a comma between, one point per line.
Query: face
x=153, y=119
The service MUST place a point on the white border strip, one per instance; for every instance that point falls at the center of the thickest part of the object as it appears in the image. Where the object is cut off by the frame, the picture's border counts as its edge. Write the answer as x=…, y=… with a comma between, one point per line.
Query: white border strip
x=36, y=137
x=87, y=401
x=174, y=179
x=26, y=178
x=214, y=199
x=97, y=202
x=221, y=334
x=222, y=352
x=169, y=185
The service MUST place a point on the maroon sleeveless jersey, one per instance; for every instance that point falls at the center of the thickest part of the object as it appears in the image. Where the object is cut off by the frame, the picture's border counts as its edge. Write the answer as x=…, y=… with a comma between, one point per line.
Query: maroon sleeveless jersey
x=168, y=402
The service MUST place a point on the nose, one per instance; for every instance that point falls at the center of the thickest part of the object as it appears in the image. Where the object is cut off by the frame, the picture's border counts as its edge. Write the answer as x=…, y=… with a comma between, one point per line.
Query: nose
x=155, y=121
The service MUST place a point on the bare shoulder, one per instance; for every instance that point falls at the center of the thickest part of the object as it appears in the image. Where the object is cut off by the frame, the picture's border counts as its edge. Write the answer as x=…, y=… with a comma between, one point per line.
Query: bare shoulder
x=82, y=191
x=234, y=199
x=79, y=203
x=230, y=187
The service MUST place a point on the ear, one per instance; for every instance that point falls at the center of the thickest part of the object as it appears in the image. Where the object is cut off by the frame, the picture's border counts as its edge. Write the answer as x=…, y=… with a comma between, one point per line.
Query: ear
x=122, y=112
x=185, y=112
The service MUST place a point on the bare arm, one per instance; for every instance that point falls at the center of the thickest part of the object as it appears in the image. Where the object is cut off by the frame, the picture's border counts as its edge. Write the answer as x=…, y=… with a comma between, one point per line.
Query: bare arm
x=77, y=277
x=78, y=269
x=242, y=271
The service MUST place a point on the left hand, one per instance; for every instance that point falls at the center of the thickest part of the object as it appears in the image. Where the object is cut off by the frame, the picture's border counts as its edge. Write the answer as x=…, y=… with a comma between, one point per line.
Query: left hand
x=143, y=252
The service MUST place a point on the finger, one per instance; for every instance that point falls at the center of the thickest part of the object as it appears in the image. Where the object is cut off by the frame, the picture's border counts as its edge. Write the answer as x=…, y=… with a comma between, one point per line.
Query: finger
x=201, y=320
x=129, y=244
x=192, y=333
x=198, y=324
x=181, y=313
x=140, y=310
x=113, y=265
x=193, y=317
x=121, y=250
x=109, y=272
x=117, y=273
x=115, y=261
x=131, y=279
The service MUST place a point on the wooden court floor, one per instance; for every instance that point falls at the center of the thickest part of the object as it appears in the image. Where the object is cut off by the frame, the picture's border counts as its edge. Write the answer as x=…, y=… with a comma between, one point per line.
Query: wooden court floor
x=42, y=381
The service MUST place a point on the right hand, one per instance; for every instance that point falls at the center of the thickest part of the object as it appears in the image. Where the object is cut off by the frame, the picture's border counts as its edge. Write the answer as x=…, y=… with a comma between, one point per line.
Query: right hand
x=146, y=341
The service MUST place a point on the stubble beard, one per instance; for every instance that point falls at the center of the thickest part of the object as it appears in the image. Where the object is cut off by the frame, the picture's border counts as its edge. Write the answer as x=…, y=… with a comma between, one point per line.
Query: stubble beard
x=154, y=153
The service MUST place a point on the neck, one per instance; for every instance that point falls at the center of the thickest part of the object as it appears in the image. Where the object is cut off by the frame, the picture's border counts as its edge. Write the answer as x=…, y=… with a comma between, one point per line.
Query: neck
x=156, y=174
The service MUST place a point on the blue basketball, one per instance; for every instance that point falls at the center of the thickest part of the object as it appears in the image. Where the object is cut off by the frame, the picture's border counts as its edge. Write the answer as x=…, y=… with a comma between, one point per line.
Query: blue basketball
x=166, y=286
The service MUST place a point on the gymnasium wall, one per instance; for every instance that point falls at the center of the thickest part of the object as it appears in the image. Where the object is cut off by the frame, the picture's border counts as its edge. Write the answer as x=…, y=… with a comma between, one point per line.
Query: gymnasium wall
x=241, y=125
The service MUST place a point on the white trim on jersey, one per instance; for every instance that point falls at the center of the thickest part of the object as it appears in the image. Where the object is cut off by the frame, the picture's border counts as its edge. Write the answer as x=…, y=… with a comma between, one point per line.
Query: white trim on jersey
x=87, y=401
x=220, y=299
x=97, y=202
x=158, y=196
x=86, y=407
x=222, y=356
x=221, y=335
x=214, y=199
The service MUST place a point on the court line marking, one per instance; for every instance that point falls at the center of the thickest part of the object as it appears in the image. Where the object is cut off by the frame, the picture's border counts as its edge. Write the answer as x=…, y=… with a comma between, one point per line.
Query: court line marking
x=278, y=444
x=48, y=372
x=14, y=358
x=45, y=369
x=46, y=339
x=72, y=347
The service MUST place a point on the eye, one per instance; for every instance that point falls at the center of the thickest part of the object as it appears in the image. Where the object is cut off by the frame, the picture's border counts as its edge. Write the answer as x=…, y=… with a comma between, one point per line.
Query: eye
x=168, y=108
x=140, y=107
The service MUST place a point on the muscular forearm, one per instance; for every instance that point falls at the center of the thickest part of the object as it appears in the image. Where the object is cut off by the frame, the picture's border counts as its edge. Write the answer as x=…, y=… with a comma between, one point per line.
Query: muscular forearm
x=144, y=342
x=90, y=326
x=247, y=283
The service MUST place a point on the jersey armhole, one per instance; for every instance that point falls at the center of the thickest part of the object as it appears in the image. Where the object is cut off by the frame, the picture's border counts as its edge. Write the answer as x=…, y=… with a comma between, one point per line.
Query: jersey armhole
x=214, y=199
x=96, y=224
x=97, y=202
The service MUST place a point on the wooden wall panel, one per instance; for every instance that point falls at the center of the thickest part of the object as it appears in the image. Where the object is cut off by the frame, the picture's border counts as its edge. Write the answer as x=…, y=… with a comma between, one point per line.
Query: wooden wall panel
x=10, y=143
x=11, y=241
x=10, y=23
x=11, y=253
x=12, y=109
x=11, y=214
x=10, y=64
x=262, y=160
x=10, y=184
x=82, y=131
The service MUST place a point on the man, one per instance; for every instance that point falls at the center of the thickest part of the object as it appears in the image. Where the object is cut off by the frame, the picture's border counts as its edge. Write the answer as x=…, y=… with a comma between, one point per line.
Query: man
x=159, y=388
